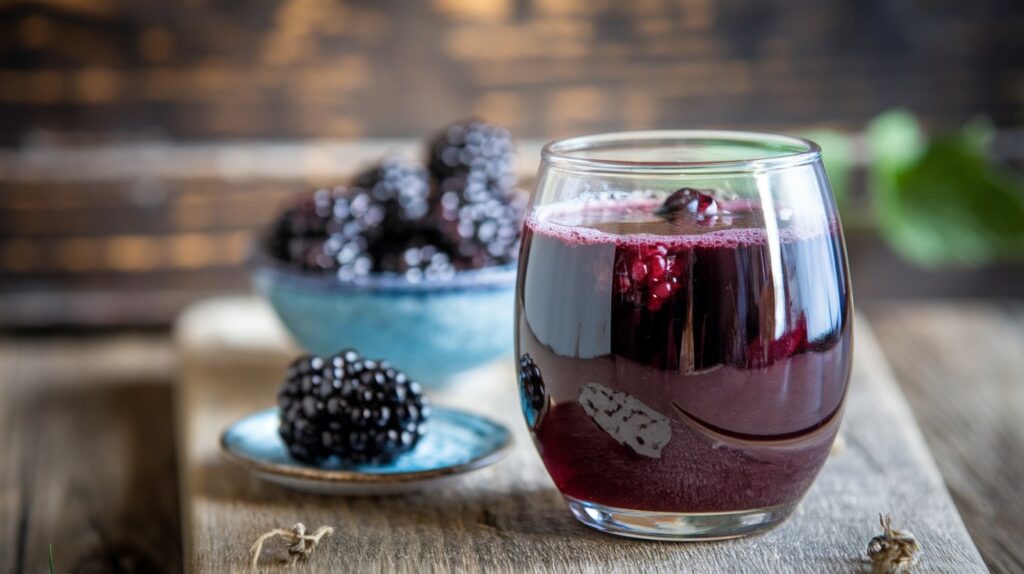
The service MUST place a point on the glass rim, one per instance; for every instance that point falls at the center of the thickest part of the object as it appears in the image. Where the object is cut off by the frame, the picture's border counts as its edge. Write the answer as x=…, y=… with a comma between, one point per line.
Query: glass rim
x=788, y=151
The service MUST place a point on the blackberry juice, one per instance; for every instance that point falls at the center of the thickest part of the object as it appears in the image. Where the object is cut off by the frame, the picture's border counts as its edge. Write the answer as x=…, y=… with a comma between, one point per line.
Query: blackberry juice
x=681, y=358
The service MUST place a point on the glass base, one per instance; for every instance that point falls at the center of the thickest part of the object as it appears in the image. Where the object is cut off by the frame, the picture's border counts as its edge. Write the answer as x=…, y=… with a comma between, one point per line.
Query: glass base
x=677, y=526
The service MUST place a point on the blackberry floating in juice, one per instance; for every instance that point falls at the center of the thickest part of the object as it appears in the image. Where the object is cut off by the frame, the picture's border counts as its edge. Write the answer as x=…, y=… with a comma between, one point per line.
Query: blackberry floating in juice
x=683, y=356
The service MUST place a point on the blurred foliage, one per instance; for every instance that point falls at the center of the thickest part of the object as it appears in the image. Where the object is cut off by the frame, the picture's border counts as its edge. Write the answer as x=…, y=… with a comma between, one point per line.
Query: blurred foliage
x=936, y=201
x=837, y=155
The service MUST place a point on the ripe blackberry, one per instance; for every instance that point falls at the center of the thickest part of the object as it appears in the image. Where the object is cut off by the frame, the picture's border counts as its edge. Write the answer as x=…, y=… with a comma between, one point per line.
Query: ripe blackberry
x=698, y=203
x=400, y=187
x=469, y=188
x=648, y=274
x=532, y=394
x=396, y=218
x=291, y=230
x=303, y=220
x=476, y=146
x=422, y=256
x=352, y=211
x=349, y=258
x=484, y=223
x=361, y=411
x=328, y=231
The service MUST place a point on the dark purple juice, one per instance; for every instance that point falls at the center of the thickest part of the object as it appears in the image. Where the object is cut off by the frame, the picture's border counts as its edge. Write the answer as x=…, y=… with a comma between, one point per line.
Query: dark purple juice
x=690, y=365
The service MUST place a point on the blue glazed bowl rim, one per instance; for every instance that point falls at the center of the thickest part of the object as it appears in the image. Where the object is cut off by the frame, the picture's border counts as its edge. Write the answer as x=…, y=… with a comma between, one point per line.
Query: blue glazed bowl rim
x=496, y=277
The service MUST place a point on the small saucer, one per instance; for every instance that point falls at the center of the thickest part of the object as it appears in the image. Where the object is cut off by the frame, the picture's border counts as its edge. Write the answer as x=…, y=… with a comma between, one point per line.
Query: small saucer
x=456, y=442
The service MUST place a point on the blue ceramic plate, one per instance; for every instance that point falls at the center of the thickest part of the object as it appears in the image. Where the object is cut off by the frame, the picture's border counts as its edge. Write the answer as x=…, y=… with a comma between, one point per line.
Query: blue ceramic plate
x=456, y=442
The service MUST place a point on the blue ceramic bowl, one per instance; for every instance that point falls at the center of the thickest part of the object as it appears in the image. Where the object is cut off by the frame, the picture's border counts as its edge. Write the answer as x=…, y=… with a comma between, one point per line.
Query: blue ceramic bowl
x=430, y=330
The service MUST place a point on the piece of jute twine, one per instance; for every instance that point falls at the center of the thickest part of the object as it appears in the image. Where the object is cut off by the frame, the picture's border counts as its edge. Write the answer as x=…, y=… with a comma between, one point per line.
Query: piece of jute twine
x=893, y=551
x=300, y=544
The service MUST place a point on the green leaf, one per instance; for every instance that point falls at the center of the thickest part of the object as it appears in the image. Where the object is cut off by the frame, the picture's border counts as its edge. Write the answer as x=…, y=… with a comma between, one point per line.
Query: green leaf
x=979, y=133
x=895, y=142
x=837, y=155
x=50, y=553
x=944, y=202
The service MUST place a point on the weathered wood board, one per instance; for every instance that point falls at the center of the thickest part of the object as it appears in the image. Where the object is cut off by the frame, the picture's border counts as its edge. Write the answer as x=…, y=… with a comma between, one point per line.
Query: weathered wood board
x=961, y=367
x=509, y=517
x=87, y=455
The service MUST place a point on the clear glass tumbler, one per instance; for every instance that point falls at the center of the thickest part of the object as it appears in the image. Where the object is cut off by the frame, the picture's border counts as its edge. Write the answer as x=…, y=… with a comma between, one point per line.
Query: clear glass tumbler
x=683, y=328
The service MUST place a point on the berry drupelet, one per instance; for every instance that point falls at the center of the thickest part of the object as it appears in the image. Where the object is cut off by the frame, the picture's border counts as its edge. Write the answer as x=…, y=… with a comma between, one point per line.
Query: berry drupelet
x=356, y=409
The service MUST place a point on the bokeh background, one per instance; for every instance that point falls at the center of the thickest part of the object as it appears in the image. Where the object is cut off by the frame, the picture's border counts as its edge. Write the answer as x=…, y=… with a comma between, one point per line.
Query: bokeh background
x=143, y=140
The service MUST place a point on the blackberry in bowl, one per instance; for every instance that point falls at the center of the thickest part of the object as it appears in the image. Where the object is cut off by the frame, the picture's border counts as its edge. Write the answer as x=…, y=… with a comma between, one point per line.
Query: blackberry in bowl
x=474, y=146
x=406, y=262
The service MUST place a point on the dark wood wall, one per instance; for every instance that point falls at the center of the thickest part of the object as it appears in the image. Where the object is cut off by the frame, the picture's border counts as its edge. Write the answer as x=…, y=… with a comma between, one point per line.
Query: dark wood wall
x=120, y=199
x=330, y=68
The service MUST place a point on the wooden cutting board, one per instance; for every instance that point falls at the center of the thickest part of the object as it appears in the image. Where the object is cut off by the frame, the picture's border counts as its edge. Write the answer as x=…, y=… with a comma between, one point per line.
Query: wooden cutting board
x=509, y=517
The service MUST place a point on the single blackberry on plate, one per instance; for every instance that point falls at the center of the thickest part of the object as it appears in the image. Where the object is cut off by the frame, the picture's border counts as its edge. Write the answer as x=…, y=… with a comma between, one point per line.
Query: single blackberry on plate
x=532, y=394
x=484, y=224
x=356, y=409
x=476, y=146
x=400, y=187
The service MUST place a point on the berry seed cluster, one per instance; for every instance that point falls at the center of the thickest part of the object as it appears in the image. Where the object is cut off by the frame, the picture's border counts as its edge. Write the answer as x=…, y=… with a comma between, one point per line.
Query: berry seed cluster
x=460, y=211
x=357, y=409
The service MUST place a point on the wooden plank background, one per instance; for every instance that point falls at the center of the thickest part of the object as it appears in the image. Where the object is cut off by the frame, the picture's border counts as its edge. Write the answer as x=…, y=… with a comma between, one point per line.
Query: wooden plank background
x=88, y=455
x=146, y=139
x=328, y=68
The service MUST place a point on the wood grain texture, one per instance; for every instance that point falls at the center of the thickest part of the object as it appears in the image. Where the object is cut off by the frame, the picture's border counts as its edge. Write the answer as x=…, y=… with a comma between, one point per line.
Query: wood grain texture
x=87, y=460
x=509, y=518
x=309, y=68
x=962, y=369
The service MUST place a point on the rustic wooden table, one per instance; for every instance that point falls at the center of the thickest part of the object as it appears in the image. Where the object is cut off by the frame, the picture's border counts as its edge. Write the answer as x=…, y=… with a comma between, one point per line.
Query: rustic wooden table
x=86, y=433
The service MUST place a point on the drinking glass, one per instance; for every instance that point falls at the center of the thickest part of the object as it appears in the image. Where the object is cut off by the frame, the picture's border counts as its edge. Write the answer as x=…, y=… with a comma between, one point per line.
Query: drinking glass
x=683, y=328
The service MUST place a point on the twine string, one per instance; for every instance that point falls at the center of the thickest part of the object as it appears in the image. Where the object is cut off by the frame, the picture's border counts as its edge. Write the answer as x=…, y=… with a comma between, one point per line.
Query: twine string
x=300, y=544
x=894, y=551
